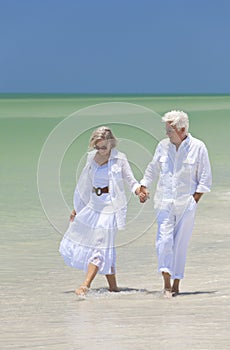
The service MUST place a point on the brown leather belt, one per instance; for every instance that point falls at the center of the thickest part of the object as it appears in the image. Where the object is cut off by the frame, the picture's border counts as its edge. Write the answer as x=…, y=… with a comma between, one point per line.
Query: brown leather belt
x=100, y=190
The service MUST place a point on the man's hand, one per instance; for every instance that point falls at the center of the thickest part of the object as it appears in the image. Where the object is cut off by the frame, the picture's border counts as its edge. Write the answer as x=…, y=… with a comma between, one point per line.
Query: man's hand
x=197, y=196
x=144, y=194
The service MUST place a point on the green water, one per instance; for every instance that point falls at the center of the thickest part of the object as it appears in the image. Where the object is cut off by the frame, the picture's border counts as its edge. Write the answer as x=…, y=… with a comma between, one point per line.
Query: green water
x=26, y=121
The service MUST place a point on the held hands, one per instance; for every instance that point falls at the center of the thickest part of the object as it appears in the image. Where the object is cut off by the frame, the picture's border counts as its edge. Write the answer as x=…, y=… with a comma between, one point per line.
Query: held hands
x=72, y=215
x=142, y=193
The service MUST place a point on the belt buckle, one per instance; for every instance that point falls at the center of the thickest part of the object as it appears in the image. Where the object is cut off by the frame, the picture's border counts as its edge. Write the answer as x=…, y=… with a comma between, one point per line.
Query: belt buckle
x=98, y=191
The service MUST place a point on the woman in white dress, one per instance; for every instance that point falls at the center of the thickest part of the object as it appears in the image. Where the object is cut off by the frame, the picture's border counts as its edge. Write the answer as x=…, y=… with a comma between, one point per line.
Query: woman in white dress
x=99, y=211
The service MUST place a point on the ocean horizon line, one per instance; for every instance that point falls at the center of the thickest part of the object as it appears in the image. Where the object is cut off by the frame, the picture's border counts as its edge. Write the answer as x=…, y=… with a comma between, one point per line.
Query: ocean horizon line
x=4, y=95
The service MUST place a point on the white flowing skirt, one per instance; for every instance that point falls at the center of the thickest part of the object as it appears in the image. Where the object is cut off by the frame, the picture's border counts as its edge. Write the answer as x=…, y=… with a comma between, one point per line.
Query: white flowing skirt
x=90, y=238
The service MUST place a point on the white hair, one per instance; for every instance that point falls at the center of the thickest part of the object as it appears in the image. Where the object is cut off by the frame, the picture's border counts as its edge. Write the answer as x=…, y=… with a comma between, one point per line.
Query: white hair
x=179, y=119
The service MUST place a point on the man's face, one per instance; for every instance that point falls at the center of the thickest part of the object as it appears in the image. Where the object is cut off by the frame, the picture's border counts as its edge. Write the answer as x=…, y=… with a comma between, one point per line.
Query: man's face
x=176, y=136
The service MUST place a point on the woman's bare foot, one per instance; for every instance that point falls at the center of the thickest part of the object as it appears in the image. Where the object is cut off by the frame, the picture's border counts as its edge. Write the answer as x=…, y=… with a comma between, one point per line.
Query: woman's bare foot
x=82, y=290
x=116, y=289
x=91, y=273
x=111, y=279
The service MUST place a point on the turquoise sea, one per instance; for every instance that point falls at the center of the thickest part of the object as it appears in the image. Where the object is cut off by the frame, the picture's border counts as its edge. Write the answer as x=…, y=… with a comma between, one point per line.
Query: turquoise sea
x=38, y=307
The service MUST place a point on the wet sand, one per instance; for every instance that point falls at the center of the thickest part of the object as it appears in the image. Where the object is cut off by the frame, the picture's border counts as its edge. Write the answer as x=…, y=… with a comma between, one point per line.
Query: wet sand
x=39, y=309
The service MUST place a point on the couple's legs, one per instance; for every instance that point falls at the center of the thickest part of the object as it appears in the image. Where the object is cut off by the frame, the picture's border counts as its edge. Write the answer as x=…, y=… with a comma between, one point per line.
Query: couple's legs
x=91, y=274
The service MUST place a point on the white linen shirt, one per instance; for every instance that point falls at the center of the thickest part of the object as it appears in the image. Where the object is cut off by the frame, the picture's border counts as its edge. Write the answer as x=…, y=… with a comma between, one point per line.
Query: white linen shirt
x=118, y=171
x=180, y=173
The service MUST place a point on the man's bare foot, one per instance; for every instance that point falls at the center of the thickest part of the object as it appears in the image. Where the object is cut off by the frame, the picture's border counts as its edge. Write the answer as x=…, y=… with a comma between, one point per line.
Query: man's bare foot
x=111, y=279
x=167, y=293
x=175, y=287
x=82, y=290
x=175, y=292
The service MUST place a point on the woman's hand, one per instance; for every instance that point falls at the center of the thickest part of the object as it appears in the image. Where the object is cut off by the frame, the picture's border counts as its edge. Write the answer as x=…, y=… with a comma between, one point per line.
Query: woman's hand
x=72, y=215
x=142, y=193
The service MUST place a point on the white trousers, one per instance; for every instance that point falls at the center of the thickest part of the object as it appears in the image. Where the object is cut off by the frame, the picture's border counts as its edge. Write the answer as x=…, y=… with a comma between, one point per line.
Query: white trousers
x=175, y=225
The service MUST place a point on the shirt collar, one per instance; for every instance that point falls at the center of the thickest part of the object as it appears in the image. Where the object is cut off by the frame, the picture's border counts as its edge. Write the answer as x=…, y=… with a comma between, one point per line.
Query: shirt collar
x=113, y=153
x=184, y=143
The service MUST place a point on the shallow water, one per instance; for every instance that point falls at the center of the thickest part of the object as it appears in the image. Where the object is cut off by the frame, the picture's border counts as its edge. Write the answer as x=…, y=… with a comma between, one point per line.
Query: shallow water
x=39, y=309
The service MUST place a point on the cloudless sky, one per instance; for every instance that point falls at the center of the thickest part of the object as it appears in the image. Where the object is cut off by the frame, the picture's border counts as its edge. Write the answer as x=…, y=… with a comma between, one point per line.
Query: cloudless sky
x=115, y=46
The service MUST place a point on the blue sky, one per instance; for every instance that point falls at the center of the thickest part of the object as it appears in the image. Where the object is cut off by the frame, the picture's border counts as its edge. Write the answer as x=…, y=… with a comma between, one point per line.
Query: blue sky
x=114, y=46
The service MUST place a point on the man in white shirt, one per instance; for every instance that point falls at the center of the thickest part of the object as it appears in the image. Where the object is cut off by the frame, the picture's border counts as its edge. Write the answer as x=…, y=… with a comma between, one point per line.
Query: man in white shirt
x=182, y=167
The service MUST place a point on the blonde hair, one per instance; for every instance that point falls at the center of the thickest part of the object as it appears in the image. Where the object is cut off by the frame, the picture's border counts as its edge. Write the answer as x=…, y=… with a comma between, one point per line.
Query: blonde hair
x=102, y=133
x=179, y=119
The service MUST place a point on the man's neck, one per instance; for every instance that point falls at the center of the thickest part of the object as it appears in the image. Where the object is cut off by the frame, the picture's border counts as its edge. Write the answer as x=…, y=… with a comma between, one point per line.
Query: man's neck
x=180, y=142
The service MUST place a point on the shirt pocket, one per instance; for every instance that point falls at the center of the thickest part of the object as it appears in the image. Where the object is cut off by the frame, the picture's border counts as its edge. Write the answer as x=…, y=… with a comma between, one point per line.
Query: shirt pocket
x=189, y=165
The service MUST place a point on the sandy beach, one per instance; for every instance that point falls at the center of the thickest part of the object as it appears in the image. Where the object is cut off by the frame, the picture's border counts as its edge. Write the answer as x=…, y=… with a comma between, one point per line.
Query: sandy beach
x=39, y=309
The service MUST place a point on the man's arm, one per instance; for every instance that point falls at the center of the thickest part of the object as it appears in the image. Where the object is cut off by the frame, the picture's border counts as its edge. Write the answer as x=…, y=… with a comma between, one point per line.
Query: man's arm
x=152, y=170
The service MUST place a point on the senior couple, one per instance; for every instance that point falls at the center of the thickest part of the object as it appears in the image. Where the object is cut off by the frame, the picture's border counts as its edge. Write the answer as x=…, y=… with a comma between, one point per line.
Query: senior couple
x=180, y=166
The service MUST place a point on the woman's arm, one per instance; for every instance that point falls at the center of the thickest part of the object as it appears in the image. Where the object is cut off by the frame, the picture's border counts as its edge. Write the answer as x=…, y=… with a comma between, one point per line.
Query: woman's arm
x=129, y=177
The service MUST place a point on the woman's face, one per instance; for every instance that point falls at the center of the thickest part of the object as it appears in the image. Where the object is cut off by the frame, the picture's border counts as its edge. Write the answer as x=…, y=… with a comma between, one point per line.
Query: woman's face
x=103, y=147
